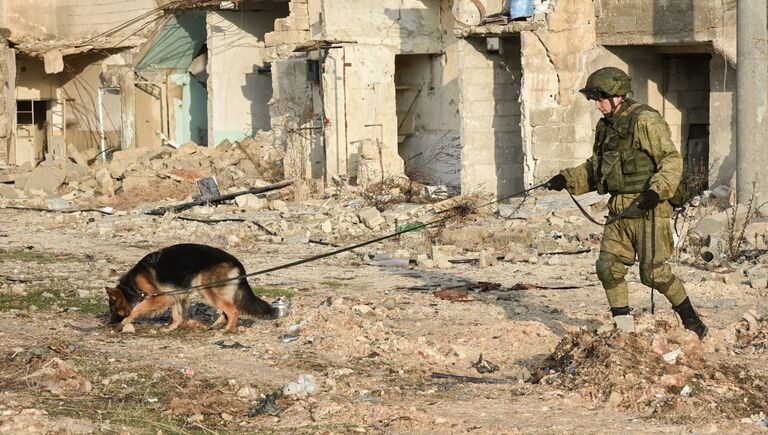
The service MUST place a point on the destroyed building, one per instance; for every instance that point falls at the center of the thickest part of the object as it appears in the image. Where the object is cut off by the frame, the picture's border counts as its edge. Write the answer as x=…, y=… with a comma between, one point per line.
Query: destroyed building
x=462, y=93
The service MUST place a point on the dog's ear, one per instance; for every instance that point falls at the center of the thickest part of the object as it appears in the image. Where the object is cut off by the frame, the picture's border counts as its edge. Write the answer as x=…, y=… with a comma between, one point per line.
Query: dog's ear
x=114, y=293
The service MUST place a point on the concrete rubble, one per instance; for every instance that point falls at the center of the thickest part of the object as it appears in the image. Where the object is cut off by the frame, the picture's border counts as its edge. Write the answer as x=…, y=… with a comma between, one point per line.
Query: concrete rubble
x=135, y=180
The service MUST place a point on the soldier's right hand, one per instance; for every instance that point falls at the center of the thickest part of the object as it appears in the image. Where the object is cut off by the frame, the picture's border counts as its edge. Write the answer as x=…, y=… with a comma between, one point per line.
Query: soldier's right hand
x=556, y=183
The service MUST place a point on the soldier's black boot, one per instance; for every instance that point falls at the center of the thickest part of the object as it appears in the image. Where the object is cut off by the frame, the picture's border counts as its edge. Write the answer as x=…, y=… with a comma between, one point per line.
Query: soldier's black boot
x=691, y=320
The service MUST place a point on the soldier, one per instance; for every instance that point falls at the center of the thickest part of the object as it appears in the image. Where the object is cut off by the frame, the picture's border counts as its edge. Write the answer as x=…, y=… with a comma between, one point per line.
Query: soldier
x=635, y=161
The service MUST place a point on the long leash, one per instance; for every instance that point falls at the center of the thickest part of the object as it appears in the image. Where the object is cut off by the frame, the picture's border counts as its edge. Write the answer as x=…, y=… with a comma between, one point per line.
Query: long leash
x=653, y=253
x=463, y=210
x=630, y=211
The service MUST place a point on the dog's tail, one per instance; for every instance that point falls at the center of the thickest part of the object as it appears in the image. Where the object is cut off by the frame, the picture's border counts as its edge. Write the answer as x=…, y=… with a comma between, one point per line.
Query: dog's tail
x=250, y=303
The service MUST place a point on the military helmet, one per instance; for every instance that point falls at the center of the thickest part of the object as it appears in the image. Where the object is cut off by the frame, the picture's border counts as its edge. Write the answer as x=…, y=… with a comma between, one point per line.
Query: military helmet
x=607, y=82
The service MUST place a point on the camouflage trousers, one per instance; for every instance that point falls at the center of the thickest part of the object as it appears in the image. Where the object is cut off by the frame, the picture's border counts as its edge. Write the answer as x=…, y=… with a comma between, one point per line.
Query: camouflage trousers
x=627, y=238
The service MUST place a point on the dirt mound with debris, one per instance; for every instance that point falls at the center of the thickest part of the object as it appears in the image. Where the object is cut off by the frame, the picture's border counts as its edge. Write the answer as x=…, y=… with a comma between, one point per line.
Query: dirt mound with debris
x=662, y=375
x=751, y=336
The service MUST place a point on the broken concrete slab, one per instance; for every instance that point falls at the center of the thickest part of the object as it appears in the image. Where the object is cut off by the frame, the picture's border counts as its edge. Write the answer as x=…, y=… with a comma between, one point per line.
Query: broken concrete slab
x=370, y=217
x=251, y=202
x=711, y=225
x=9, y=178
x=758, y=277
x=45, y=178
x=512, y=211
x=9, y=192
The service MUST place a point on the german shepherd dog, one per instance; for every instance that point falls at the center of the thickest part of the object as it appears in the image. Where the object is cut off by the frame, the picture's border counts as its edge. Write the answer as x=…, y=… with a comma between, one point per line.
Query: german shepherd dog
x=175, y=269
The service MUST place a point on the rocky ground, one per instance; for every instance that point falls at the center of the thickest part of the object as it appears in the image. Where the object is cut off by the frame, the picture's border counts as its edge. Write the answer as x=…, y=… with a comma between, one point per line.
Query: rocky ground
x=483, y=323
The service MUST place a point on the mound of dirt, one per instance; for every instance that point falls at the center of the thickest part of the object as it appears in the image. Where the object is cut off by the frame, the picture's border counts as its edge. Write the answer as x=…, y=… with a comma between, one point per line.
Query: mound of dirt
x=659, y=374
x=752, y=337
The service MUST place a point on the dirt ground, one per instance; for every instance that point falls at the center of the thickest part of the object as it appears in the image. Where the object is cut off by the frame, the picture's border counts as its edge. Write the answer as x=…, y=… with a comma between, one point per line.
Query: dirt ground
x=386, y=353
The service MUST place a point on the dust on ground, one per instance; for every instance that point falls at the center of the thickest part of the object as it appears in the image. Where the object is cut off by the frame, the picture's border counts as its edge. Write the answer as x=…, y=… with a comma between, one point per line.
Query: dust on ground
x=365, y=340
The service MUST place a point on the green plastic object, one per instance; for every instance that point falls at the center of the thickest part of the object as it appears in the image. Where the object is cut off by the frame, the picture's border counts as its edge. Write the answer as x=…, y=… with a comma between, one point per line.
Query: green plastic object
x=411, y=226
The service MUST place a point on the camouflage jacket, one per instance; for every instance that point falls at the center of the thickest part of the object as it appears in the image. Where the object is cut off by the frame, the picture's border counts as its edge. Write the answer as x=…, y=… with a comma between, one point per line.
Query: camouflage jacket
x=651, y=135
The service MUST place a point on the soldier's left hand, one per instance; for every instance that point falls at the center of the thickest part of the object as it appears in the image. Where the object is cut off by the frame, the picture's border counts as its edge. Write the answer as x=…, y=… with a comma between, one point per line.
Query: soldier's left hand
x=648, y=200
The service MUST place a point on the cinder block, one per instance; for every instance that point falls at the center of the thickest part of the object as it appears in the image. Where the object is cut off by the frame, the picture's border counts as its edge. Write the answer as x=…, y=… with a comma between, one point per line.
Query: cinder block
x=289, y=37
x=541, y=117
x=292, y=23
x=546, y=134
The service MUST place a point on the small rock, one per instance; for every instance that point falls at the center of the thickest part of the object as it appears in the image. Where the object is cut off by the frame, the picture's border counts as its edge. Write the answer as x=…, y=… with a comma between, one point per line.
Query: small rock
x=389, y=303
x=424, y=262
x=363, y=310
x=326, y=227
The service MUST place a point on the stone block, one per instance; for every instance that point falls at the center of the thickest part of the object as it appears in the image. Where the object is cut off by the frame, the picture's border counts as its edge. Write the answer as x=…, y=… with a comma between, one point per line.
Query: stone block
x=541, y=117
x=9, y=192
x=424, y=262
x=447, y=251
x=522, y=255
x=287, y=37
x=758, y=277
x=251, y=202
x=546, y=134
x=278, y=205
x=733, y=278
x=44, y=178
x=9, y=178
x=370, y=217
x=77, y=156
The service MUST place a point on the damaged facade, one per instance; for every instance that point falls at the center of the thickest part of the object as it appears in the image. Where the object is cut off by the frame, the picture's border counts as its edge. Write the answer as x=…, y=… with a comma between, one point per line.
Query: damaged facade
x=364, y=90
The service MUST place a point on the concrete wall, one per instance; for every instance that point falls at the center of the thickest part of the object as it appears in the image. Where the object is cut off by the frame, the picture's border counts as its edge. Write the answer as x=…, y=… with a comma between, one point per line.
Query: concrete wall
x=686, y=95
x=723, y=121
x=642, y=22
x=432, y=153
x=32, y=83
x=292, y=114
x=77, y=18
x=79, y=87
x=35, y=19
x=491, y=155
x=413, y=26
x=558, y=122
x=359, y=106
x=239, y=93
x=6, y=99
x=71, y=19
x=428, y=115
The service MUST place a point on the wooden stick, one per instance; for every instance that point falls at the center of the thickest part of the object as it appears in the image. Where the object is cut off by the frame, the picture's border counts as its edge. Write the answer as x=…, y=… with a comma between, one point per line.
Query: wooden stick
x=473, y=379
x=186, y=205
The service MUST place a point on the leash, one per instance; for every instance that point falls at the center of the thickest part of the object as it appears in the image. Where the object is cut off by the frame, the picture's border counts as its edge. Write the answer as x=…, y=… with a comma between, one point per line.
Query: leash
x=463, y=209
x=653, y=253
x=653, y=256
x=631, y=211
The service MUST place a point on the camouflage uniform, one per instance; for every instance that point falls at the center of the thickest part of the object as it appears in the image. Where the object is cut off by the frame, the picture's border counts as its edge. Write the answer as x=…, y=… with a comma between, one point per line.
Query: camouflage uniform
x=649, y=137
x=633, y=159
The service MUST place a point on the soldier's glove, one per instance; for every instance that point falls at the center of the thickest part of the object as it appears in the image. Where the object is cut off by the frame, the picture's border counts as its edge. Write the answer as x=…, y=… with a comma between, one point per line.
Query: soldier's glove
x=648, y=200
x=556, y=183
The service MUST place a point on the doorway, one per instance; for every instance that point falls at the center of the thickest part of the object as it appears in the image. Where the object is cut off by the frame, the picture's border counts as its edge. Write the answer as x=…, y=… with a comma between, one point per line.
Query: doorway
x=31, y=130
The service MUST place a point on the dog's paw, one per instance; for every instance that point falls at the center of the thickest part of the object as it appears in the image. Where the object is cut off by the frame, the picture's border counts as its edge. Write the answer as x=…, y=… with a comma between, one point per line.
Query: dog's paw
x=128, y=328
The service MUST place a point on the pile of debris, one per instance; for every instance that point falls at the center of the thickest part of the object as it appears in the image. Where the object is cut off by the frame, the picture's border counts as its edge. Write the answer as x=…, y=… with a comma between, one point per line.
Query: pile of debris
x=147, y=174
x=751, y=335
x=660, y=372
